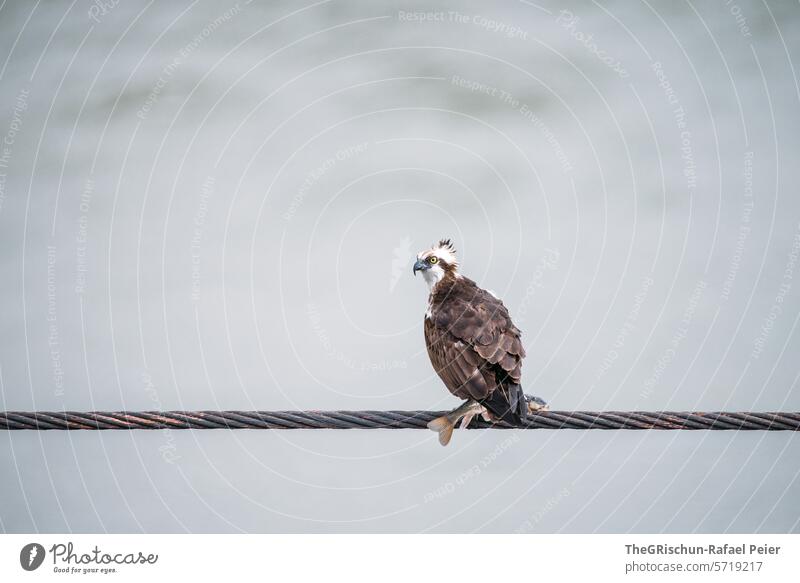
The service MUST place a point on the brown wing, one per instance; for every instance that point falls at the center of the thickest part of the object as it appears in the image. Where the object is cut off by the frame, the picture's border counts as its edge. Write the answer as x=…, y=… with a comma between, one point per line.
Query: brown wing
x=456, y=363
x=472, y=343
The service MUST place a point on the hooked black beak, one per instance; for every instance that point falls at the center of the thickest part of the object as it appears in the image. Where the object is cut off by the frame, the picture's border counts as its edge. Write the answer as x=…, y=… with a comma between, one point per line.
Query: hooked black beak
x=421, y=265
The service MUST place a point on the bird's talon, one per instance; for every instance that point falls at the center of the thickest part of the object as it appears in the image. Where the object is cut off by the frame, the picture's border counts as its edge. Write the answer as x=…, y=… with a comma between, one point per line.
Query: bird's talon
x=536, y=404
x=475, y=409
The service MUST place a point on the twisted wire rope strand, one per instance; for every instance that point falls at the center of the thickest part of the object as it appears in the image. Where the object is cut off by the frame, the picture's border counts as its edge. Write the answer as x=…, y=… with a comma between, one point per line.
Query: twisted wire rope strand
x=608, y=420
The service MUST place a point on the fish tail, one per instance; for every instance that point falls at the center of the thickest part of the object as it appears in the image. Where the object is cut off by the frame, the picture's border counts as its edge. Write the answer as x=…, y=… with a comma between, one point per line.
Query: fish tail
x=444, y=427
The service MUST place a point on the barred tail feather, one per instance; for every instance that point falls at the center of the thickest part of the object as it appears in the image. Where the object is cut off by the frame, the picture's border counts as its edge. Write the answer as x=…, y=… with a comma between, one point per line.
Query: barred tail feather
x=508, y=403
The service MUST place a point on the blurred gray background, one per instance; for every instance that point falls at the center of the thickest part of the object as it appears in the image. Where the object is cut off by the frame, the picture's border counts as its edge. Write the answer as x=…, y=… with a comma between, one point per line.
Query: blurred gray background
x=213, y=205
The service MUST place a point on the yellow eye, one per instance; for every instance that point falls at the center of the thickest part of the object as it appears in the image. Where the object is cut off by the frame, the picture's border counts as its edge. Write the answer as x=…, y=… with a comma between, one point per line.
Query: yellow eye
x=433, y=260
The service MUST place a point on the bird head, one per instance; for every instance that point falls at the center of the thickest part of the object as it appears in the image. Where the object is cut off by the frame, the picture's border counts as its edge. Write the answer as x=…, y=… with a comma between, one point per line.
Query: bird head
x=437, y=262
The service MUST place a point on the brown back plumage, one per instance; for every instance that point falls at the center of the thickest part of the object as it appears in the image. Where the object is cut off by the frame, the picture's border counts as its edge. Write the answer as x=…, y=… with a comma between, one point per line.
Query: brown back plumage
x=474, y=347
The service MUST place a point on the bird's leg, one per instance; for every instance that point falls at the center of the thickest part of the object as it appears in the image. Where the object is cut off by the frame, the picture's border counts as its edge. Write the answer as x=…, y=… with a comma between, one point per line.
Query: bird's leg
x=474, y=408
x=444, y=425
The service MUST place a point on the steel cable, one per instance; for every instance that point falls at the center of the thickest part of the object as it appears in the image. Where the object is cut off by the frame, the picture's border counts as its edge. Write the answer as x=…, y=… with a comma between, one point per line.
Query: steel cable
x=658, y=420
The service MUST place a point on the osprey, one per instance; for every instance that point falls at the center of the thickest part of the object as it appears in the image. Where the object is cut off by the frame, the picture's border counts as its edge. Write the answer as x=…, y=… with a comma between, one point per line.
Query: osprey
x=473, y=345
